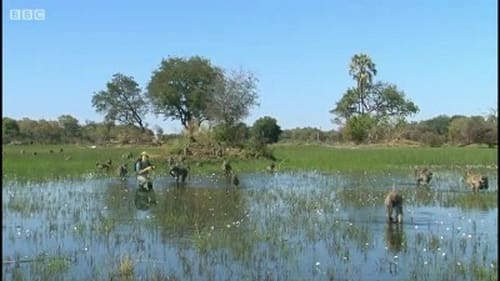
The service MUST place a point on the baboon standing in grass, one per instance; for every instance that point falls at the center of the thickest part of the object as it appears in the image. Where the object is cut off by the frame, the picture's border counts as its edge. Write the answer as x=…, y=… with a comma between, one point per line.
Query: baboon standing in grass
x=226, y=167
x=423, y=176
x=123, y=171
x=476, y=181
x=394, y=201
x=271, y=168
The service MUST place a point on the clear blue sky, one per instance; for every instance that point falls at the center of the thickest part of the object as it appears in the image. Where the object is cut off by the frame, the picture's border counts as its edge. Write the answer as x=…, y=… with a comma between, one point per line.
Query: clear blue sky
x=442, y=54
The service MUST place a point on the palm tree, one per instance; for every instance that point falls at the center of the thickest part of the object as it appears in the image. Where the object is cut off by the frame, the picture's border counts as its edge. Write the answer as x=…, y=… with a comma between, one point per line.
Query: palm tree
x=362, y=69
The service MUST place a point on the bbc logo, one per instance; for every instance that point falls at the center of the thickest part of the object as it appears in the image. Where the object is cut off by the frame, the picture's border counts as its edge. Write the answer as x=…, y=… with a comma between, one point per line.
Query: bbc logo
x=27, y=14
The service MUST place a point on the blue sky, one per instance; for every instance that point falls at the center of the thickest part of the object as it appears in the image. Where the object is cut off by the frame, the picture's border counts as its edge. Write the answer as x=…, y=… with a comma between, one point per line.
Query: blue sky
x=442, y=54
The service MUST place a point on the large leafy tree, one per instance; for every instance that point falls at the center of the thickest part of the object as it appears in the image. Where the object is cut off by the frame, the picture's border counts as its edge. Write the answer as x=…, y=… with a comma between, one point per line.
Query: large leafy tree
x=122, y=102
x=10, y=129
x=266, y=130
x=71, y=128
x=181, y=88
x=381, y=101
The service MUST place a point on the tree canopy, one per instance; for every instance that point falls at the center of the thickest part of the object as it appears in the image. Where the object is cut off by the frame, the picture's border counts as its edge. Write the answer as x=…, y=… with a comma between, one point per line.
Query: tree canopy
x=379, y=101
x=122, y=101
x=181, y=88
x=266, y=130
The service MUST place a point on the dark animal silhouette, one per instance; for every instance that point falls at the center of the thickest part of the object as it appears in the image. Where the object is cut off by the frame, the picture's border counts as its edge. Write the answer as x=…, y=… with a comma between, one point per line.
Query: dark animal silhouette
x=179, y=173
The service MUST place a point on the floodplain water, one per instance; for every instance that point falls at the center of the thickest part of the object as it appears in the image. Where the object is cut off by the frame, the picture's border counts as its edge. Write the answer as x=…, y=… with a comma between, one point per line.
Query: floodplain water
x=282, y=226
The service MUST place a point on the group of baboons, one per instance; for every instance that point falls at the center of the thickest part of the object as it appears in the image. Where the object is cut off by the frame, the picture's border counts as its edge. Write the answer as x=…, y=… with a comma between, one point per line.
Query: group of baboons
x=22, y=151
x=177, y=169
x=394, y=200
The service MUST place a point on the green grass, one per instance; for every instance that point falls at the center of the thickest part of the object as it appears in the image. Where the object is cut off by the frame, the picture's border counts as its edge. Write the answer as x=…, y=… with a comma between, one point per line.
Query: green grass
x=82, y=160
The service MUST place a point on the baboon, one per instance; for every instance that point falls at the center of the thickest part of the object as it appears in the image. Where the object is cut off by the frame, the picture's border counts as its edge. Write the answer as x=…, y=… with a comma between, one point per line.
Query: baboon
x=226, y=167
x=394, y=201
x=123, y=171
x=61, y=150
x=476, y=181
x=423, y=175
x=235, y=180
x=128, y=155
x=103, y=166
x=179, y=173
x=34, y=153
x=271, y=168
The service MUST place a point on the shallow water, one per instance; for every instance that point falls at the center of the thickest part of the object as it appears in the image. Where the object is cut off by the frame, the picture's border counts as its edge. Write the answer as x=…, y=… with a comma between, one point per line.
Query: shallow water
x=286, y=226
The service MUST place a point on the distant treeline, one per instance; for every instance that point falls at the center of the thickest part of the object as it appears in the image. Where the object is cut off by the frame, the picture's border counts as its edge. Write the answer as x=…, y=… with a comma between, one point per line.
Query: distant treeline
x=454, y=130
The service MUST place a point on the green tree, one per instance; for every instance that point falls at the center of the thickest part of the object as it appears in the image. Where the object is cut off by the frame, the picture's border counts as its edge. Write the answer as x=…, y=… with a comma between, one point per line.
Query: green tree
x=70, y=126
x=122, y=102
x=181, y=89
x=10, y=129
x=382, y=101
x=28, y=129
x=490, y=134
x=362, y=69
x=48, y=132
x=468, y=130
x=266, y=130
x=233, y=135
x=358, y=128
x=438, y=125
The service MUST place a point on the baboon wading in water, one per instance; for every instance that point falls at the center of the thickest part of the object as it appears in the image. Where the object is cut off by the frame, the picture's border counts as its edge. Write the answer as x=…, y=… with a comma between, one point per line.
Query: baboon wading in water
x=476, y=181
x=179, y=173
x=423, y=176
x=394, y=202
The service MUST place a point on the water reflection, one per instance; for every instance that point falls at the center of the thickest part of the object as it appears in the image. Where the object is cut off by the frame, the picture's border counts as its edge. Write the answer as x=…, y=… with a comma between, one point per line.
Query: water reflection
x=394, y=237
x=144, y=199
